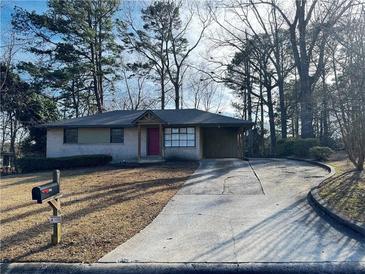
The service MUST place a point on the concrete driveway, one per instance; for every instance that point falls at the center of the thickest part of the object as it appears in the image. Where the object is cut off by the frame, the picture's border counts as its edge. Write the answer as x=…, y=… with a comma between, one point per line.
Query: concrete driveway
x=237, y=211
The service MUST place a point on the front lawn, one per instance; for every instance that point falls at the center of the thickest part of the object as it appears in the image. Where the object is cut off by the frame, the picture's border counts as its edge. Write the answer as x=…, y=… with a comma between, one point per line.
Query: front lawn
x=102, y=207
x=346, y=191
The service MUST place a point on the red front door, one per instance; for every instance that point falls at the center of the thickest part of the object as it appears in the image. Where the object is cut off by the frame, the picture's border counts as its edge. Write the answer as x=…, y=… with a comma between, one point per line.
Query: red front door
x=153, y=141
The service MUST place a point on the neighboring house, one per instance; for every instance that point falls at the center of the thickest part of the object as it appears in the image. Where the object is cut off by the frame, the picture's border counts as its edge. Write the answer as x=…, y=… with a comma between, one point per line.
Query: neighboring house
x=156, y=134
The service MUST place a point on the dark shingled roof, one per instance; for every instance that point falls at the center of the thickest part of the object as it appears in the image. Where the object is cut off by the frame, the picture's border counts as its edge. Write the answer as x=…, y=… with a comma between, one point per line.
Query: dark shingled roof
x=171, y=117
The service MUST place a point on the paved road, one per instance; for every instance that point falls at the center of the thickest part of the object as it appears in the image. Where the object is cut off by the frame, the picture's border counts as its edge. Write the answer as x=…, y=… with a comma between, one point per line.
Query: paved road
x=235, y=211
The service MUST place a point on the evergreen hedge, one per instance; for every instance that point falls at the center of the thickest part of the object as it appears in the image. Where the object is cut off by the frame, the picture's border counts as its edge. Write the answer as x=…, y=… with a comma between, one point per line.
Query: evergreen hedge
x=29, y=164
x=320, y=153
x=297, y=147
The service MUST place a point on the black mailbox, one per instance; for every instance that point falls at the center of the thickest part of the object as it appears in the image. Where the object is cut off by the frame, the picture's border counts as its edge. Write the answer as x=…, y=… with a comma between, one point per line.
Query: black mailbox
x=43, y=192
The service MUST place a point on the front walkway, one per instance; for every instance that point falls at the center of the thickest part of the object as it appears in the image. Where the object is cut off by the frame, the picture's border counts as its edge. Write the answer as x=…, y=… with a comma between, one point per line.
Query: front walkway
x=233, y=211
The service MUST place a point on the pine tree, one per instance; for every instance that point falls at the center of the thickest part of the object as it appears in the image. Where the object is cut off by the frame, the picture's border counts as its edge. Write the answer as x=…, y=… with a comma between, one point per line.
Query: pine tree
x=75, y=40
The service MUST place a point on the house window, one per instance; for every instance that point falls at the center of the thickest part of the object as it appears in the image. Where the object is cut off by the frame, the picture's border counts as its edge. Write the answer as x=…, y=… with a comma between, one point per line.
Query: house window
x=179, y=137
x=70, y=135
x=117, y=135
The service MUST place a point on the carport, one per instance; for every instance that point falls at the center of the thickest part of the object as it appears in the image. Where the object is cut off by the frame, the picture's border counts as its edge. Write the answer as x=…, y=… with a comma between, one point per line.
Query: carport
x=223, y=142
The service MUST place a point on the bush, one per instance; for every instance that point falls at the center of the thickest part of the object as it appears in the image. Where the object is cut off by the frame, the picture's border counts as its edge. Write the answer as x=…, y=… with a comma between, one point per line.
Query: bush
x=320, y=153
x=28, y=164
x=284, y=147
x=297, y=147
x=301, y=147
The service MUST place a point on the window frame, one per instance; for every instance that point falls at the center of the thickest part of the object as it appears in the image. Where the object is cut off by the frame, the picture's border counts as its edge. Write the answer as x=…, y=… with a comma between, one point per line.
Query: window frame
x=64, y=136
x=111, y=135
x=172, y=131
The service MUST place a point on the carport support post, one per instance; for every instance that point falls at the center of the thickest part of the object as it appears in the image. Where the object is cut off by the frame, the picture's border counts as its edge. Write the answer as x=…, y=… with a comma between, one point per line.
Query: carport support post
x=241, y=140
x=56, y=208
x=161, y=140
x=139, y=142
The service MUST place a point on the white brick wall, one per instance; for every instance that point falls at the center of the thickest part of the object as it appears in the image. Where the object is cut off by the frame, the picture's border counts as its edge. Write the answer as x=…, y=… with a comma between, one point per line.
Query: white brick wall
x=119, y=152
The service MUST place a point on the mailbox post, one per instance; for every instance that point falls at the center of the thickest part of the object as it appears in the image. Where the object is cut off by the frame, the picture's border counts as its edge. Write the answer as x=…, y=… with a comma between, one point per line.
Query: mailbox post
x=56, y=208
x=50, y=193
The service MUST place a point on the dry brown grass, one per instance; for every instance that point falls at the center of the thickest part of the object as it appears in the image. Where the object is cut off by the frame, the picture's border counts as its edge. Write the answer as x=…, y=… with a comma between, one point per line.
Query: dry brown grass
x=346, y=191
x=102, y=207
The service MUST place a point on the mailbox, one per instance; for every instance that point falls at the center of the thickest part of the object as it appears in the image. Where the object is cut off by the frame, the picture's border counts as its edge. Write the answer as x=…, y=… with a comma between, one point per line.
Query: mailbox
x=43, y=192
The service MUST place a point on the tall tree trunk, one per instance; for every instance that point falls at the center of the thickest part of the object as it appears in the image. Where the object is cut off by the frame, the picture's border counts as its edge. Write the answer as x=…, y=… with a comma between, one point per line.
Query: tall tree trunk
x=302, y=63
x=326, y=122
x=306, y=107
x=13, y=132
x=297, y=124
x=162, y=83
x=93, y=53
x=249, y=104
x=245, y=104
x=100, y=68
x=262, y=119
x=75, y=101
x=271, y=121
x=3, y=131
x=278, y=53
x=283, y=116
x=325, y=112
x=306, y=100
x=177, y=95
x=96, y=86
x=100, y=83
x=320, y=124
x=296, y=107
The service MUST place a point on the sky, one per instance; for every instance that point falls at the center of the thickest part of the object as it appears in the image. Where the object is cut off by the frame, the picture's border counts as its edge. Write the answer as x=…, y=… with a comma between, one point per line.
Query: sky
x=198, y=55
x=7, y=8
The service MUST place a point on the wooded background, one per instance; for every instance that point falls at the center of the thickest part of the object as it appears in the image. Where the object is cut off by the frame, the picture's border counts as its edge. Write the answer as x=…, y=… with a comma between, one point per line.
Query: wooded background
x=295, y=68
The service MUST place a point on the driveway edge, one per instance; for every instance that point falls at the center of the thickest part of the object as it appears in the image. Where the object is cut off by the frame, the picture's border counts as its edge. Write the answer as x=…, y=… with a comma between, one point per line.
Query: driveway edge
x=134, y=268
x=329, y=168
x=322, y=205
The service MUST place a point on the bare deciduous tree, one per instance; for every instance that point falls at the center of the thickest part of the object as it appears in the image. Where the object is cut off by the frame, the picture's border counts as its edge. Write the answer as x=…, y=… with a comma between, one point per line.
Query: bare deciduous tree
x=348, y=101
x=162, y=42
x=310, y=29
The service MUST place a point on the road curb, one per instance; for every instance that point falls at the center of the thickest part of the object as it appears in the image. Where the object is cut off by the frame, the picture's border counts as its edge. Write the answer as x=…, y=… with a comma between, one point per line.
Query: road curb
x=136, y=268
x=322, y=205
